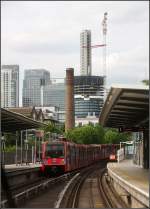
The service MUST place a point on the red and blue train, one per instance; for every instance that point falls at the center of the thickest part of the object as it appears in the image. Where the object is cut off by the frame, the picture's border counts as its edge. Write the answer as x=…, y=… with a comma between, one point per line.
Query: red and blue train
x=63, y=156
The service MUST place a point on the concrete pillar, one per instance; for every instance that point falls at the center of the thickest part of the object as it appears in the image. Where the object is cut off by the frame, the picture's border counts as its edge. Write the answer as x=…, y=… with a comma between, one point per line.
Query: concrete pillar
x=69, y=101
x=146, y=148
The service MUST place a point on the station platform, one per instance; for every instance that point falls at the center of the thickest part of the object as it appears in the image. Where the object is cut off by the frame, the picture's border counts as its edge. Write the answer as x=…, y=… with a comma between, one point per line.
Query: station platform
x=131, y=182
x=20, y=167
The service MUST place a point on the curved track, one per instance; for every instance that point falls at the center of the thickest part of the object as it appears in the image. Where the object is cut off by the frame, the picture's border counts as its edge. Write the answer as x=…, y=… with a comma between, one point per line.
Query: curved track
x=85, y=188
x=91, y=190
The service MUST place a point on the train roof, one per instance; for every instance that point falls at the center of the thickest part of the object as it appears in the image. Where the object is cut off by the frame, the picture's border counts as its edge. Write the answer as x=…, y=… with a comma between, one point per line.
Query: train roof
x=81, y=145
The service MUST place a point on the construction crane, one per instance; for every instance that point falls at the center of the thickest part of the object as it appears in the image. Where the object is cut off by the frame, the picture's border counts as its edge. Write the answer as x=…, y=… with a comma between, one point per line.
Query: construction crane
x=104, y=30
x=104, y=24
x=94, y=46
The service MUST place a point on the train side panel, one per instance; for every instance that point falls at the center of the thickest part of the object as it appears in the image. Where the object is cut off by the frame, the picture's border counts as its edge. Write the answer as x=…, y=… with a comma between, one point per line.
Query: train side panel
x=75, y=155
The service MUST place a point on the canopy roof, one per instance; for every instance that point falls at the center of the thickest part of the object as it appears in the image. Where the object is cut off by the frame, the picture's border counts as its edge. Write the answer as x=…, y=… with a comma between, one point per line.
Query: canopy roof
x=126, y=107
x=11, y=121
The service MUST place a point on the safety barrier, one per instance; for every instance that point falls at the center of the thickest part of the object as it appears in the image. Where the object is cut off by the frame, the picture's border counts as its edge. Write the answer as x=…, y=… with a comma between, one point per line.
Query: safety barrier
x=120, y=155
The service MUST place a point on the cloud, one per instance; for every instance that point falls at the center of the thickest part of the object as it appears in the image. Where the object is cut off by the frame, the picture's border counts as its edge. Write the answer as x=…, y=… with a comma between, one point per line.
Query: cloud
x=129, y=66
x=39, y=47
x=46, y=34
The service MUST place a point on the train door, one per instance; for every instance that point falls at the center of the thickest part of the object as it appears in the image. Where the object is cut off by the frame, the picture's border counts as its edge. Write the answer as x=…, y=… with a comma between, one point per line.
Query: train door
x=77, y=156
x=65, y=156
x=73, y=156
x=80, y=162
x=68, y=157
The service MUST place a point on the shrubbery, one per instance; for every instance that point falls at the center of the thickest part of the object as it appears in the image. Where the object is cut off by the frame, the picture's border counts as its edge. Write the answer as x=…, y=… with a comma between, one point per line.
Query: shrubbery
x=95, y=135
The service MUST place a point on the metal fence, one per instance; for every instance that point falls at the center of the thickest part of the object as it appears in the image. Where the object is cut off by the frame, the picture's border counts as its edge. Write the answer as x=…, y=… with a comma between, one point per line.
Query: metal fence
x=27, y=157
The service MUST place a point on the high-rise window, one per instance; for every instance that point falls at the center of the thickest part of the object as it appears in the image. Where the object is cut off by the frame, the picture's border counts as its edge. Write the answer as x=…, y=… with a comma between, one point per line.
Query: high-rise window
x=32, y=86
x=10, y=86
x=85, y=53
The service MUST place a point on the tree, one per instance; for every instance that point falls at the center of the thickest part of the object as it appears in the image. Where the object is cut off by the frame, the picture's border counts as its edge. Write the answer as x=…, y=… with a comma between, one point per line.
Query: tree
x=51, y=127
x=100, y=133
x=87, y=134
x=112, y=136
x=146, y=82
x=10, y=138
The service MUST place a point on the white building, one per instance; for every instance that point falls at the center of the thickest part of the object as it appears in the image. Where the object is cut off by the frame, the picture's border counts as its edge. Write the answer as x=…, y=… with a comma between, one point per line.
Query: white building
x=10, y=86
x=53, y=112
x=87, y=120
x=85, y=53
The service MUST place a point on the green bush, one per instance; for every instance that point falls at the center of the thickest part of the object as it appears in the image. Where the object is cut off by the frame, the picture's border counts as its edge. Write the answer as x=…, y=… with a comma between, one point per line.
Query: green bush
x=10, y=148
x=87, y=134
x=90, y=134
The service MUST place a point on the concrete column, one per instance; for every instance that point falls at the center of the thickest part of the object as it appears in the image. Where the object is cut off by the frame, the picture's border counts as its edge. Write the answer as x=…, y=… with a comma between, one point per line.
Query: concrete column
x=146, y=148
x=69, y=105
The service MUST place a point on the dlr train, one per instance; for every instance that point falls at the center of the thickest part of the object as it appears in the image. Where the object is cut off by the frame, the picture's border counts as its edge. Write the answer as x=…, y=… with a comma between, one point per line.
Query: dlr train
x=63, y=156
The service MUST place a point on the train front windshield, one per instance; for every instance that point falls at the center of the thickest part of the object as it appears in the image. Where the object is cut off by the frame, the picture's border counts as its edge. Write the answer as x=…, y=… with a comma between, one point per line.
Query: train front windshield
x=54, y=151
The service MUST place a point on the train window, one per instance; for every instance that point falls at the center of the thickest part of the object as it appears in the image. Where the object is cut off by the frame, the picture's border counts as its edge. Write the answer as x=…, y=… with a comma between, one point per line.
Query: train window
x=54, y=150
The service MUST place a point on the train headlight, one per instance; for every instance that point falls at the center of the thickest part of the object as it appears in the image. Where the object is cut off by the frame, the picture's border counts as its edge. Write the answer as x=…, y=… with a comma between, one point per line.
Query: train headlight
x=63, y=161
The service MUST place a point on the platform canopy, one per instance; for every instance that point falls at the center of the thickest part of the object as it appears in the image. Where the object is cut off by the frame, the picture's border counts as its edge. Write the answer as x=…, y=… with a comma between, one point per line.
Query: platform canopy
x=126, y=107
x=11, y=121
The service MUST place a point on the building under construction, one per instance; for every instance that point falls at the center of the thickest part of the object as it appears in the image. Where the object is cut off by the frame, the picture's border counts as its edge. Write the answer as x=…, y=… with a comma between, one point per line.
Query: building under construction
x=88, y=97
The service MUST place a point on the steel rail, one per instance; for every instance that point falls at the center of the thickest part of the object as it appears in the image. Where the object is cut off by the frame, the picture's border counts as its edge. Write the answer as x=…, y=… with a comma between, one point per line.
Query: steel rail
x=102, y=191
x=32, y=191
x=73, y=191
x=111, y=198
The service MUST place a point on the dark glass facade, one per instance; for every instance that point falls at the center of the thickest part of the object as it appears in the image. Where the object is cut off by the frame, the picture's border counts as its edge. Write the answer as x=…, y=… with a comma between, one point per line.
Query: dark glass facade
x=89, y=95
x=32, y=86
x=54, y=95
x=90, y=107
x=89, y=85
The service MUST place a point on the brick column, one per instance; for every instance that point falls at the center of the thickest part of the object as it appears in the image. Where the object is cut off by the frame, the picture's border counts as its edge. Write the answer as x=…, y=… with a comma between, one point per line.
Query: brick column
x=69, y=100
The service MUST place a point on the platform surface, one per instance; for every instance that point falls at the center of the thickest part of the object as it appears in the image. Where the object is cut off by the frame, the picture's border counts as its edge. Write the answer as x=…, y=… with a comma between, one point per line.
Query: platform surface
x=23, y=166
x=131, y=173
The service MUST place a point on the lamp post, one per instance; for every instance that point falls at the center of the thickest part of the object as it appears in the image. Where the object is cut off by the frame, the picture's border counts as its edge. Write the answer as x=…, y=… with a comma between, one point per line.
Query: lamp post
x=21, y=156
x=3, y=149
x=32, y=148
x=35, y=142
x=120, y=145
x=39, y=149
x=49, y=136
x=16, y=157
x=26, y=147
x=53, y=136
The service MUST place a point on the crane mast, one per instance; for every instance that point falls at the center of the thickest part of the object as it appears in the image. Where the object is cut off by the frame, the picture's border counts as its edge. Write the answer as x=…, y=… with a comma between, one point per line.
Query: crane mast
x=104, y=25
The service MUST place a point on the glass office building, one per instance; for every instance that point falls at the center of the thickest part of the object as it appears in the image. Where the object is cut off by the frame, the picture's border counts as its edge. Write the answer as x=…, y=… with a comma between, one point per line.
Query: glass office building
x=33, y=79
x=89, y=95
x=54, y=95
x=87, y=106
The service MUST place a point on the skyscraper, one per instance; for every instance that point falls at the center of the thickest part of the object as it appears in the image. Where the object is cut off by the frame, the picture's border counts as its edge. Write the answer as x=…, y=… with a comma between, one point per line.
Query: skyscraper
x=10, y=86
x=33, y=79
x=85, y=53
x=54, y=95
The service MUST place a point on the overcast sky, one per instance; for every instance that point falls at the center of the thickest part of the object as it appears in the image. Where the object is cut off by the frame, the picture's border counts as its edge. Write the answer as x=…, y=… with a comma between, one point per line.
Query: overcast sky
x=46, y=34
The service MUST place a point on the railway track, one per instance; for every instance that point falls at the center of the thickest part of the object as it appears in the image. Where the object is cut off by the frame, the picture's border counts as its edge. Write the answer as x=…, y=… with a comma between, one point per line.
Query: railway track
x=85, y=188
x=83, y=191
x=24, y=195
x=91, y=189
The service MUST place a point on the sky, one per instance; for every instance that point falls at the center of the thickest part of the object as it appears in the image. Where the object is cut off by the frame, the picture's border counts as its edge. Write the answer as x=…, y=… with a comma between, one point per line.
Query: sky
x=46, y=34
